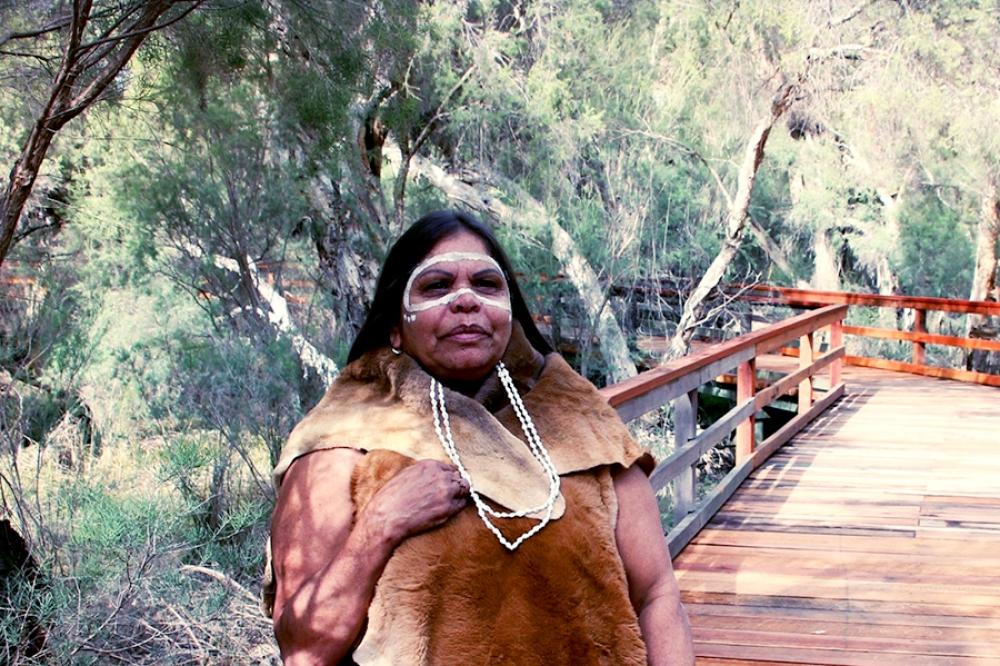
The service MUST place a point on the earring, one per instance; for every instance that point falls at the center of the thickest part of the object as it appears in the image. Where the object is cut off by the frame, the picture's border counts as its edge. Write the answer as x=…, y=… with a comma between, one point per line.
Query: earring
x=395, y=351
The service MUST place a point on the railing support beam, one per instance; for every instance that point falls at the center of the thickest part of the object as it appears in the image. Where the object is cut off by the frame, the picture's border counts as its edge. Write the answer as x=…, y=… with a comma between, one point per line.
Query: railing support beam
x=919, y=326
x=836, y=340
x=806, y=356
x=746, y=386
x=685, y=429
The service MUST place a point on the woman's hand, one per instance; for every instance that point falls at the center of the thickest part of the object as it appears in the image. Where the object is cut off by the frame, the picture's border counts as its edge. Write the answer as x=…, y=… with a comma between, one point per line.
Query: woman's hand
x=422, y=496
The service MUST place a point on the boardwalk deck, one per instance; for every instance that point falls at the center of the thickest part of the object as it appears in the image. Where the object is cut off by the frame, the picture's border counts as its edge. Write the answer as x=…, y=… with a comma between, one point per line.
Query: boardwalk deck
x=873, y=537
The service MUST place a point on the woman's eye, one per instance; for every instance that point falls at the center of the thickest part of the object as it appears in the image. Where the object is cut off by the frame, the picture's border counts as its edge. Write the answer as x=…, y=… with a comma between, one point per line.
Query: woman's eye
x=435, y=286
x=489, y=284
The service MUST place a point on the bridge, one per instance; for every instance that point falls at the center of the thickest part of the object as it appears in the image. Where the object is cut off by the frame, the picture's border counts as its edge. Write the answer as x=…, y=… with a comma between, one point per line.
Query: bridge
x=866, y=530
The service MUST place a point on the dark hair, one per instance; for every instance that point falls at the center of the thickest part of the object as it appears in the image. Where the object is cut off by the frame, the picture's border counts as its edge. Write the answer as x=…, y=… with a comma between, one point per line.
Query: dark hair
x=409, y=250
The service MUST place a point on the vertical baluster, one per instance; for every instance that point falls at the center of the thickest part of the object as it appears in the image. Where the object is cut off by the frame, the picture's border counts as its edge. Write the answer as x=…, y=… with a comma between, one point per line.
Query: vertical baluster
x=919, y=326
x=806, y=355
x=685, y=428
x=836, y=340
x=746, y=380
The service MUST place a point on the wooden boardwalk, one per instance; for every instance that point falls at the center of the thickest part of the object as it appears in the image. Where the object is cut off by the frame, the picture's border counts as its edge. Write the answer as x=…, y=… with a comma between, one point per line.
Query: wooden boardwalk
x=872, y=538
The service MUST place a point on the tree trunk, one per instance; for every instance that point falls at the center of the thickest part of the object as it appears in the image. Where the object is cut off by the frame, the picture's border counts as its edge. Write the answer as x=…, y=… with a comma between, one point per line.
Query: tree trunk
x=532, y=215
x=984, y=280
x=345, y=273
x=694, y=306
x=826, y=268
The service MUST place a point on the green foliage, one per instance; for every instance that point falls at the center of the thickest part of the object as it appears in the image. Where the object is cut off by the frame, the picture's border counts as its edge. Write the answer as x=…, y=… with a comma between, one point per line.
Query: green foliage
x=936, y=252
x=235, y=136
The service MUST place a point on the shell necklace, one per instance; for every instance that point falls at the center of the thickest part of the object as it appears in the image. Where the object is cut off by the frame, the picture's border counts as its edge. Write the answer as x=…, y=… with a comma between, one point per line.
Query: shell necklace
x=443, y=429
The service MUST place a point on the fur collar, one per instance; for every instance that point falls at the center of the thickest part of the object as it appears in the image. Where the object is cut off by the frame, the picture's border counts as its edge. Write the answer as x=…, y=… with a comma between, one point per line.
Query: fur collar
x=381, y=401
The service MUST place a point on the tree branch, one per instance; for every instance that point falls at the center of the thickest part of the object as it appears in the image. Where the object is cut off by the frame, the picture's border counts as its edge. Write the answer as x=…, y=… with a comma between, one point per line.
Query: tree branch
x=53, y=26
x=737, y=217
x=142, y=32
x=851, y=15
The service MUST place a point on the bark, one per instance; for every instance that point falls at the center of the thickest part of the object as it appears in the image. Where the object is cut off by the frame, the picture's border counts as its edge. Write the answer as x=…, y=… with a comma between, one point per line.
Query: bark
x=695, y=305
x=364, y=163
x=345, y=273
x=280, y=319
x=886, y=280
x=984, y=280
x=278, y=316
x=826, y=268
x=85, y=72
x=531, y=215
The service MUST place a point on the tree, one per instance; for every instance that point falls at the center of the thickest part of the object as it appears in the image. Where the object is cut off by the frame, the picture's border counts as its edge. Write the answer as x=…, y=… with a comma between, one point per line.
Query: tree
x=97, y=44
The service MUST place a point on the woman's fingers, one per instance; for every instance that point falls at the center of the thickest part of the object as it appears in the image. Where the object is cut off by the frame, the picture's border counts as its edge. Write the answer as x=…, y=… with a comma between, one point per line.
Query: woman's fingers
x=424, y=495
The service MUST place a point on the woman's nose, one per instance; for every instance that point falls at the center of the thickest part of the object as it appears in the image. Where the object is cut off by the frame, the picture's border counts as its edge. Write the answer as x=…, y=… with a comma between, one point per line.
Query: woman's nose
x=465, y=302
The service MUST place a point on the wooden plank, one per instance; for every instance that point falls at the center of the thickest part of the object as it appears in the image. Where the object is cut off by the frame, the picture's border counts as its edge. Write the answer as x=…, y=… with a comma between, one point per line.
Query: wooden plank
x=814, y=297
x=746, y=382
x=873, y=538
x=771, y=444
x=683, y=532
x=738, y=349
x=685, y=427
x=926, y=370
x=789, y=382
x=783, y=602
x=683, y=458
x=792, y=584
x=959, y=641
x=919, y=328
x=807, y=352
x=922, y=337
x=872, y=616
x=633, y=398
x=836, y=343
x=885, y=647
x=796, y=655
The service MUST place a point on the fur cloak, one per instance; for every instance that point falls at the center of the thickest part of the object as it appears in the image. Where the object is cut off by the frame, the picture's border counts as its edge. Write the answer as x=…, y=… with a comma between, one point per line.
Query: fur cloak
x=455, y=595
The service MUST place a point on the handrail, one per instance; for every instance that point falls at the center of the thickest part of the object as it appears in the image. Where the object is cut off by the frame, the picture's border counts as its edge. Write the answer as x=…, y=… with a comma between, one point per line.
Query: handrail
x=919, y=336
x=678, y=382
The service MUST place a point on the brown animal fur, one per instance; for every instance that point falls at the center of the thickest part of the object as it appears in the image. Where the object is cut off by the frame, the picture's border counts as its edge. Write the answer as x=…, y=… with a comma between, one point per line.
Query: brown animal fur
x=455, y=595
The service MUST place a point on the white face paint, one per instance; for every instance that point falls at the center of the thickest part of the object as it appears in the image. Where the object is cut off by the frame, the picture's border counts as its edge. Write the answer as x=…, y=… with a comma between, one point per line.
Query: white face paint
x=434, y=283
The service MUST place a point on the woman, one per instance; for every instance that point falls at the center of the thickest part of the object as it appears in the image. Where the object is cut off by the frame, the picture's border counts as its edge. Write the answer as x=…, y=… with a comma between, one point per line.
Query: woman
x=460, y=495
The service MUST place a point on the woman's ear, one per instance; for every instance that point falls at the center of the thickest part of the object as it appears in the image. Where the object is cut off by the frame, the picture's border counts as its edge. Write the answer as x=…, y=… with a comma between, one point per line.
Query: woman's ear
x=395, y=337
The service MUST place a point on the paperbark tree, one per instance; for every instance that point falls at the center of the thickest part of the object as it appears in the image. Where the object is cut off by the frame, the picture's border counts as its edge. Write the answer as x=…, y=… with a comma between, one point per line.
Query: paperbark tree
x=736, y=222
x=984, y=280
x=97, y=45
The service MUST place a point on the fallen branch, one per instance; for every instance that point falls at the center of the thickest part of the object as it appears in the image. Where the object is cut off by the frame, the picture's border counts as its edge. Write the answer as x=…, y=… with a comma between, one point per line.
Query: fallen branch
x=222, y=578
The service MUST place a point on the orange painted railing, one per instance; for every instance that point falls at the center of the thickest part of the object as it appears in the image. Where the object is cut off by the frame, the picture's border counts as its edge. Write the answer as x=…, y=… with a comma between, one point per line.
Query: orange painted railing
x=678, y=382
x=918, y=336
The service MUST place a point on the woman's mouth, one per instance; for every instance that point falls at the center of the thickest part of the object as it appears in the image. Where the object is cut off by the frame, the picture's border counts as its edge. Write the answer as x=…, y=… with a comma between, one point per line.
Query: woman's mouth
x=467, y=333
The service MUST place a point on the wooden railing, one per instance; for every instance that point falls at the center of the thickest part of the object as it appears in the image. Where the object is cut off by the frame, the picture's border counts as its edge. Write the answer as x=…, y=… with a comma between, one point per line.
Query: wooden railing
x=918, y=336
x=678, y=382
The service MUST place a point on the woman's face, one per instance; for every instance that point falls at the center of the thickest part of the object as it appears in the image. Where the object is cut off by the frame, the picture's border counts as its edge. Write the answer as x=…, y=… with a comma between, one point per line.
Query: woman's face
x=455, y=316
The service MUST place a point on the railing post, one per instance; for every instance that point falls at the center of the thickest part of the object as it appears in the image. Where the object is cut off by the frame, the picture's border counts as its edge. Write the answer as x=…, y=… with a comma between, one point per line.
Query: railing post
x=836, y=340
x=919, y=326
x=685, y=428
x=806, y=356
x=746, y=380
